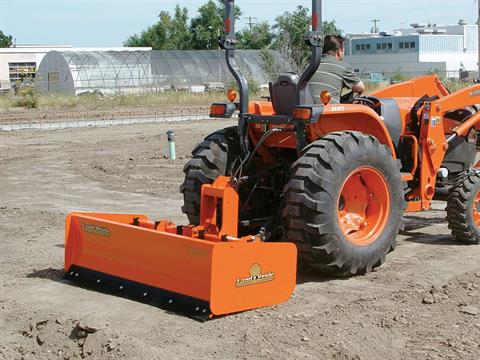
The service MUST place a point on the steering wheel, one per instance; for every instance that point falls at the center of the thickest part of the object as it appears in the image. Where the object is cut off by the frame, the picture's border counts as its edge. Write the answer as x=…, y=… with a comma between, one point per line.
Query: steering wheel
x=347, y=98
x=350, y=97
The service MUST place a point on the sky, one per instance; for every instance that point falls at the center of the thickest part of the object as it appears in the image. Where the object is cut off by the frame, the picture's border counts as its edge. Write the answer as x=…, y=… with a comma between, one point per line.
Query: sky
x=97, y=23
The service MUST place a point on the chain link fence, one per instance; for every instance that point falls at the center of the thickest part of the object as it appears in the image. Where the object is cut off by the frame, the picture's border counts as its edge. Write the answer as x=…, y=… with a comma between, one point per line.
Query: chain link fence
x=109, y=86
x=118, y=119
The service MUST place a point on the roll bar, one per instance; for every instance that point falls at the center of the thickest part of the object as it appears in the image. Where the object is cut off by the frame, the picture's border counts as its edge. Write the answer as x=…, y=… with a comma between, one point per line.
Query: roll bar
x=313, y=38
x=228, y=41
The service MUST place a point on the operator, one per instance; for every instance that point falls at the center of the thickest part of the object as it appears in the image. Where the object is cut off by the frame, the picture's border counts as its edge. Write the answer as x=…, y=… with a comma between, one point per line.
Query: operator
x=333, y=74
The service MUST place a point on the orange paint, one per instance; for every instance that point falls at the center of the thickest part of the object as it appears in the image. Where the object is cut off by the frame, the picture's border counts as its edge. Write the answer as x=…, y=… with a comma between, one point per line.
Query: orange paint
x=206, y=262
x=363, y=206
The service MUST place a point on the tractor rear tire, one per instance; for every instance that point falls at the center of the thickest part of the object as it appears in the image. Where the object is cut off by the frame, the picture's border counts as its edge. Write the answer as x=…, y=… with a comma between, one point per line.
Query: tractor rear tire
x=463, y=210
x=210, y=159
x=344, y=204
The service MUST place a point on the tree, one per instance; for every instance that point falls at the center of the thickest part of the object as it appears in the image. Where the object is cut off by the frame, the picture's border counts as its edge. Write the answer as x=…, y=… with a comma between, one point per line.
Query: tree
x=154, y=36
x=179, y=34
x=167, y=34
x=290, y=29
x=270, y=66
x=330, y=28
x=174, y=33
x=221, y=6
x=5, y=40
x=208, y=25
x=258, y=38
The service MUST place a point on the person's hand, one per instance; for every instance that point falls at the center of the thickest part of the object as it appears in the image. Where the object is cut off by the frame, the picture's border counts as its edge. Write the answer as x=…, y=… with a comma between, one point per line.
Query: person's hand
x=359, y=88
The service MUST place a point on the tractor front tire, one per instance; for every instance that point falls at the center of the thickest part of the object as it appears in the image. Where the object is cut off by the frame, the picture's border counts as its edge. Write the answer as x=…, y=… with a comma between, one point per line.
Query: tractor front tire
x=344, y=204
x=210, y=159
x=463, y=210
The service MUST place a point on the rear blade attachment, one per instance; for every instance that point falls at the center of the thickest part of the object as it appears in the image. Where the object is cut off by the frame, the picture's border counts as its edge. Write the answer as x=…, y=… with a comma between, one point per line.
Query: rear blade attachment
x=114, y=285
x=197, y=270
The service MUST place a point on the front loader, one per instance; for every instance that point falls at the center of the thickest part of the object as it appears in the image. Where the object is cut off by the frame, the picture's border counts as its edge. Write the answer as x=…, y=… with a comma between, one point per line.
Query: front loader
x=328, y=183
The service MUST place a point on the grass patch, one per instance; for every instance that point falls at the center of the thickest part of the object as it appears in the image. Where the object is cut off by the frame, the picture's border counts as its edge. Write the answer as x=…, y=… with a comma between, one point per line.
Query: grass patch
x=96, y=102
x=453, y=85
x=6, y=102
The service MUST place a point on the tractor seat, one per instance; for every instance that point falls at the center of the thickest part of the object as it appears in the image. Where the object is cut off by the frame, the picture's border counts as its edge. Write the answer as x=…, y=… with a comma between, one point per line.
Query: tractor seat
x=283, y=93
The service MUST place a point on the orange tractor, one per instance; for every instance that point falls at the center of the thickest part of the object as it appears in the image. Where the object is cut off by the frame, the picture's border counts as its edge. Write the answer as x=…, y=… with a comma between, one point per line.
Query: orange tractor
x=329, y=181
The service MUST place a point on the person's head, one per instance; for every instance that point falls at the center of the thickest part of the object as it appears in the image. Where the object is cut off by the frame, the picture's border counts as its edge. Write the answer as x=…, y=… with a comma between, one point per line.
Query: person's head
x=334, y=45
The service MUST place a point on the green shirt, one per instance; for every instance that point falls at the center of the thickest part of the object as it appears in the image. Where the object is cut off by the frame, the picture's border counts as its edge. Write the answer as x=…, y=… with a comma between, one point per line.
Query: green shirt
x=332, y=75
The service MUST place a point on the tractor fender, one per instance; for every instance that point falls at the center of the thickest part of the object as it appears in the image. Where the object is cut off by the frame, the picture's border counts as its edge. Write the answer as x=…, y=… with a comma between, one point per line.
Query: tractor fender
x=351, y=117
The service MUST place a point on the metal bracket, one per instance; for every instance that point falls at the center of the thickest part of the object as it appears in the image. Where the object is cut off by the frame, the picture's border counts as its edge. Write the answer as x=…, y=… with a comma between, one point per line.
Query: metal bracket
x=268, y=119
x=314, y=39
x=300, y=135
x=227, y=42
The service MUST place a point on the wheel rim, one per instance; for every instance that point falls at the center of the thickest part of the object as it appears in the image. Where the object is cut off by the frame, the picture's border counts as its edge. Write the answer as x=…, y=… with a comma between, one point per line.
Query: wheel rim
x=476, y=209
x=364, y=205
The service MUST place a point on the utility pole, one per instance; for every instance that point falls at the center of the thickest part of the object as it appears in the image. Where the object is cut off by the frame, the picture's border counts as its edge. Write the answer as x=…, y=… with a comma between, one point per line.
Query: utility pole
x=375, y=29
x=251, y=22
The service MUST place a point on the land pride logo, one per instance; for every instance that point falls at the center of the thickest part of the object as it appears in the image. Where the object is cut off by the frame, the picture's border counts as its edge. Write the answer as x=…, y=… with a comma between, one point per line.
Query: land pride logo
x=256, y=277
x=95, y=229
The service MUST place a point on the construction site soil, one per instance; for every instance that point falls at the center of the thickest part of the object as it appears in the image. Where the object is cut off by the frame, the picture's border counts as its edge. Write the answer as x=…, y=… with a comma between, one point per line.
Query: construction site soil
x=423, y=303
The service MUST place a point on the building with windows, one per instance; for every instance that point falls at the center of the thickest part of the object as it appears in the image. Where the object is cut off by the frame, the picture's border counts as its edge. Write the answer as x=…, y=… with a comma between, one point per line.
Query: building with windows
x=448, y=50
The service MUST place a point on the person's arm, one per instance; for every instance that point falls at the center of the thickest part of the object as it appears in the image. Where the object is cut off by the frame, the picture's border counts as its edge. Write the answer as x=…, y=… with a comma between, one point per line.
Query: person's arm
x=359, y=88
x=352, y=81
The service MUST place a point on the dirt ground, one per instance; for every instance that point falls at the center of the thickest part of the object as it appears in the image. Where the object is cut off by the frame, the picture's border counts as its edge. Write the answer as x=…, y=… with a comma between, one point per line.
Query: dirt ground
x=423, y=303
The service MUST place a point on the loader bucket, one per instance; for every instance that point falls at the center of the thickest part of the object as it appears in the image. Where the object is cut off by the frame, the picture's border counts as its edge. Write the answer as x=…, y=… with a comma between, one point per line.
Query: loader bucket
x=165, y=267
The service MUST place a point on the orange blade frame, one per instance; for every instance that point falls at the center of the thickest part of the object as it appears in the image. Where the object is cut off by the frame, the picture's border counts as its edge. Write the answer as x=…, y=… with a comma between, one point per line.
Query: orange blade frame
x=230, y=276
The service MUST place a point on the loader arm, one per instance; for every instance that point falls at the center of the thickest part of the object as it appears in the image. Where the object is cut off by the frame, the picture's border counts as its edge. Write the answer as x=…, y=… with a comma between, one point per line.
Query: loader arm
x=434, y=142
x=425, y=85
x=459, y=99
x=464, y=128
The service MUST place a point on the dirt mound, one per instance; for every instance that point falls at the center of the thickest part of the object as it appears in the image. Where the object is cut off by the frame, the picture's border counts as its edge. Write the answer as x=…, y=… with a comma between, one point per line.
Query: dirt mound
x=60, y=338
